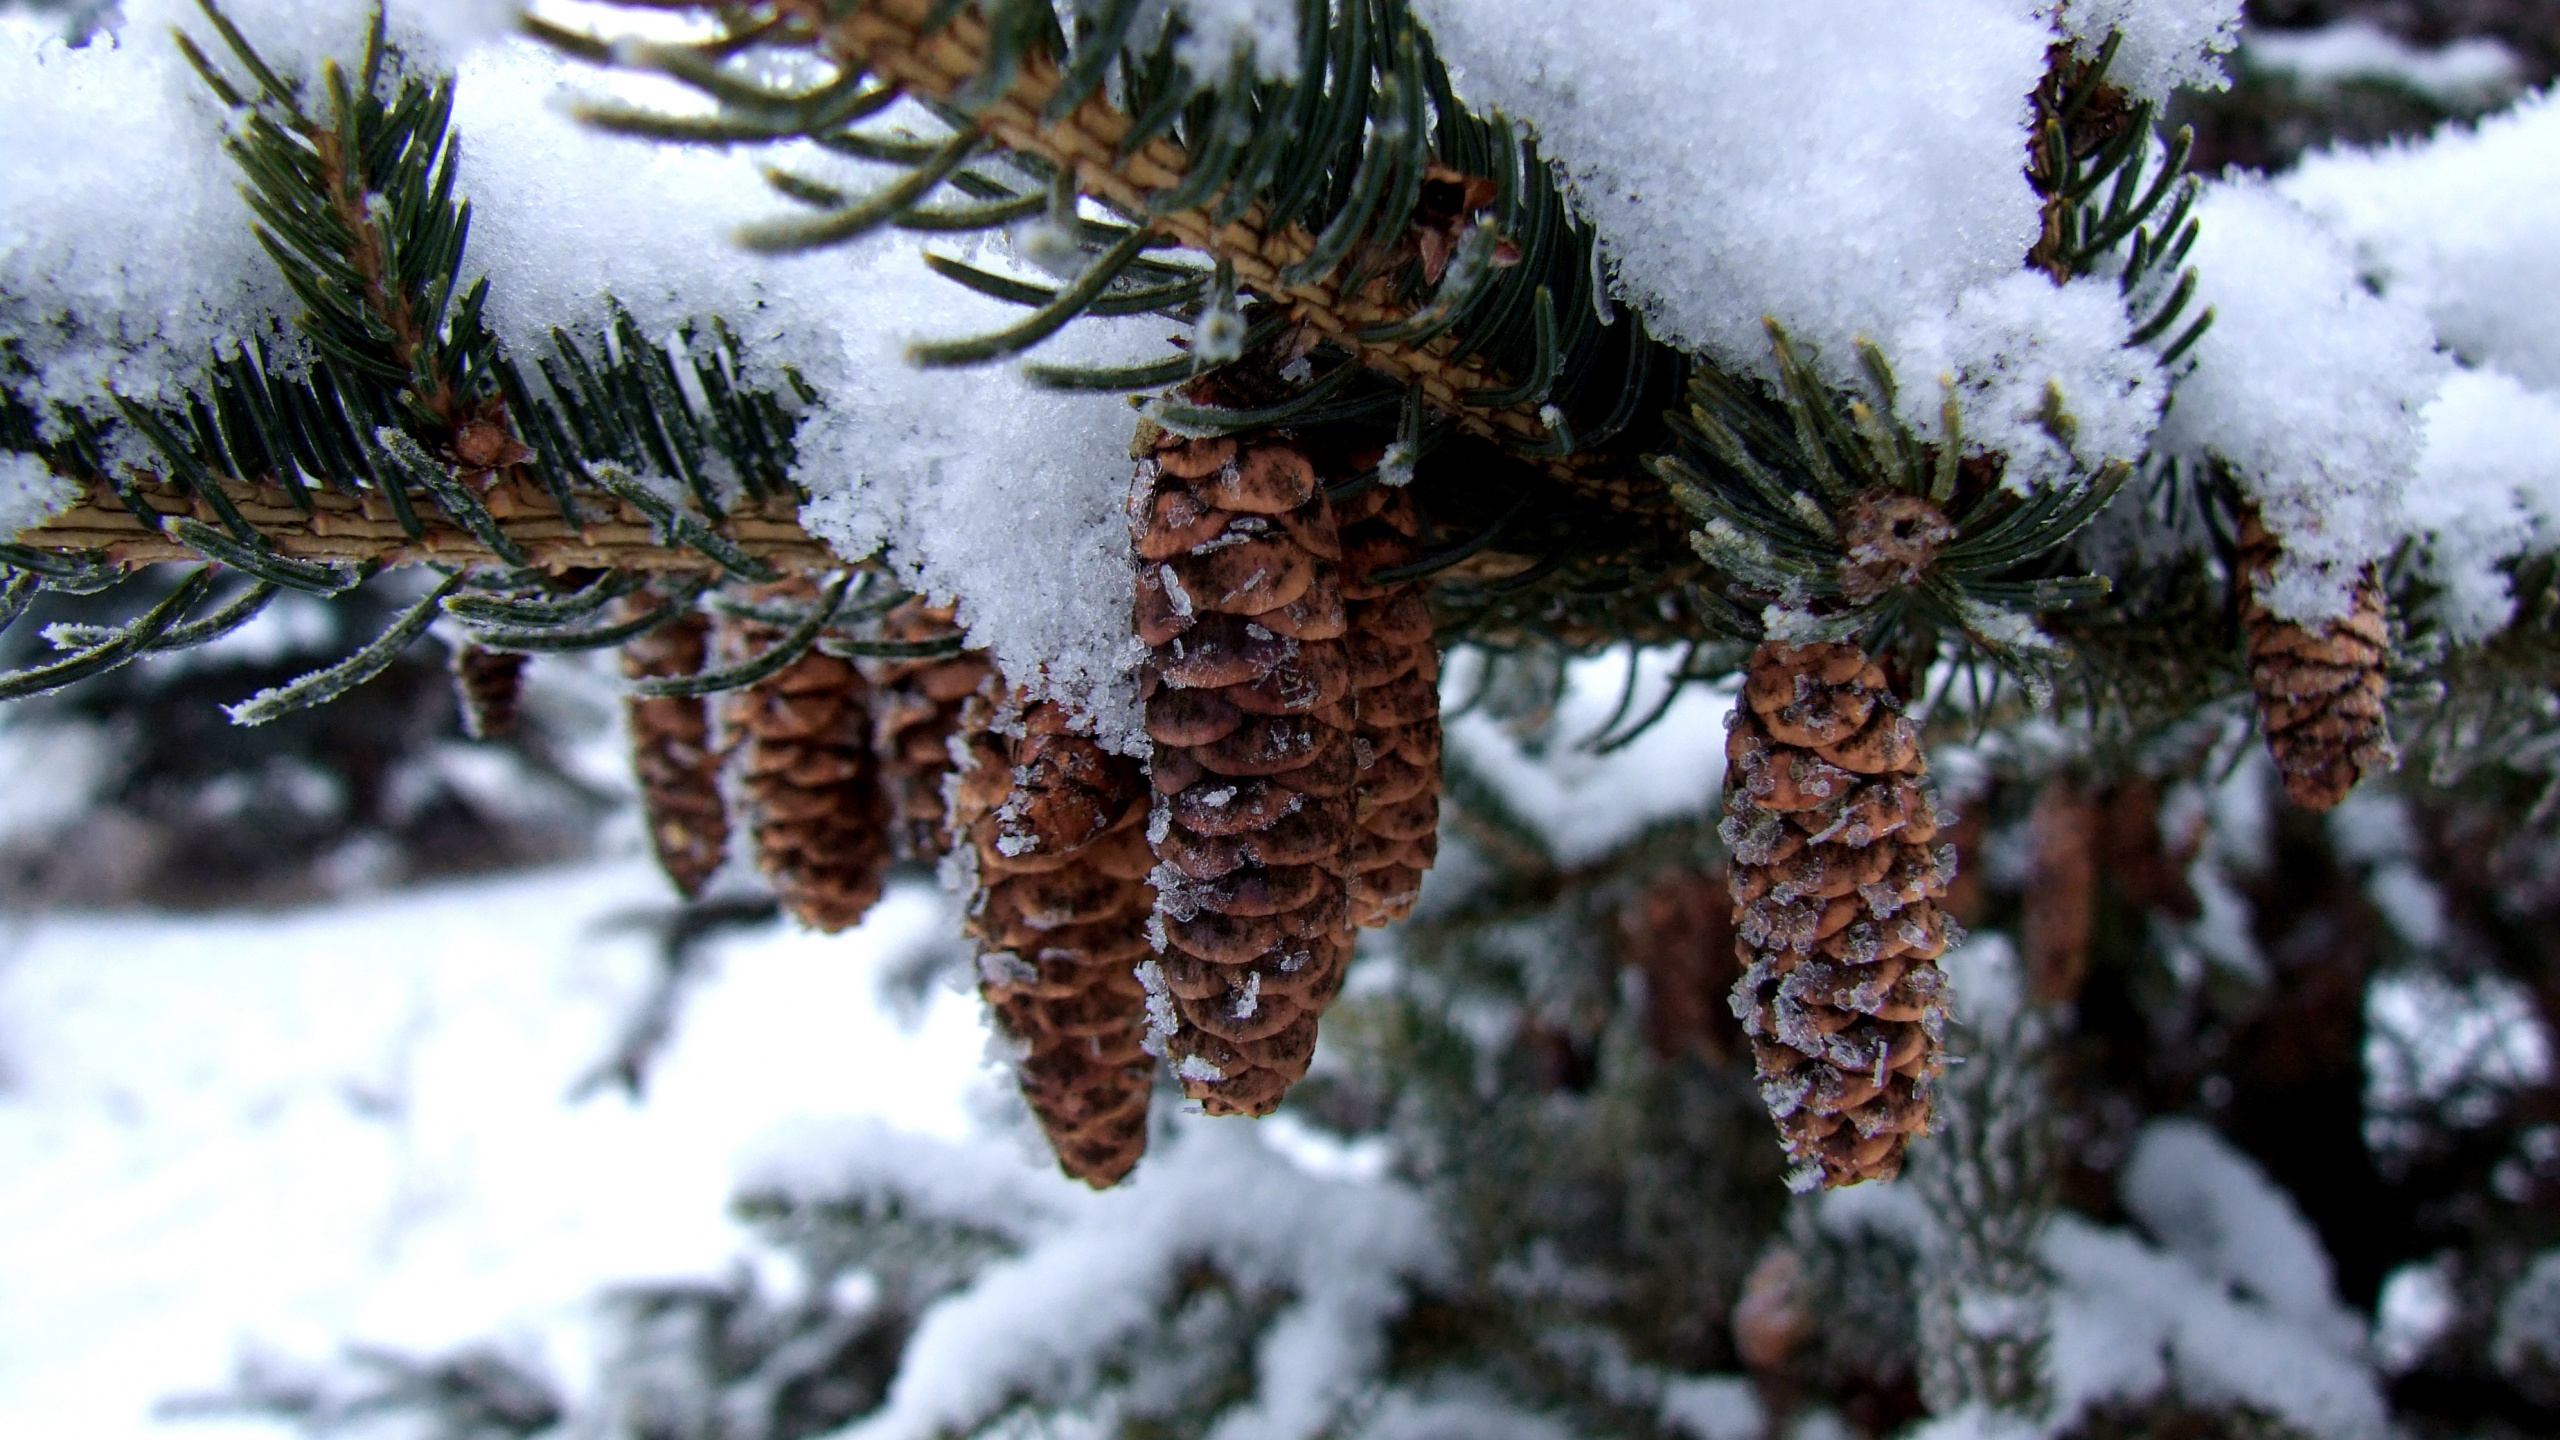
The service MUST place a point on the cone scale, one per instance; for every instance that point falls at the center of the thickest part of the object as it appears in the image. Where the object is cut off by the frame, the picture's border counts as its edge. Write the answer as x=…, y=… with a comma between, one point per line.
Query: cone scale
x=1835, y=886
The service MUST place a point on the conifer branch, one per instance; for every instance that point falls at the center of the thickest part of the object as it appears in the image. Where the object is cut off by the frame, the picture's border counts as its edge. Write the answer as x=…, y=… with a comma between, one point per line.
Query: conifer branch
x=2092, y=139
x=343, y=529
x=1337, y=196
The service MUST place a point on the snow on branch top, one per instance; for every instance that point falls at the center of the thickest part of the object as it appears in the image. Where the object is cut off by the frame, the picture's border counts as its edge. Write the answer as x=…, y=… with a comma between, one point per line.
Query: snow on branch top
x=2310, y=386
x=2168, y=45
x=1851, y=171
x=1842, y=169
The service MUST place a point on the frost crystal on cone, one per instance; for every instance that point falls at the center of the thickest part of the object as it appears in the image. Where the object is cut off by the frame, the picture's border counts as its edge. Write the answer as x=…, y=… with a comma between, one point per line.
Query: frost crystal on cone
x=487, y=684
x=812, y=784
x=673, y=757
x=1834, y=887
x=1053, y=830
x=1395, y=698
x=916, y=708
x=2320, y=687
x=1254, y=763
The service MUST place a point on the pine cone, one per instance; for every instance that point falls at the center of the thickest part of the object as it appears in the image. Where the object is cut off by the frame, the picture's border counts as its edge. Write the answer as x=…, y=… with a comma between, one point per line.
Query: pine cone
x=1834, y=888
x=486, y=687
x=812, y=784
x=1056, y=852
x=1771, y=1321
x=915, y=710
x=2320, y=687
x=1678, y=931
x=2147, y=868
x=1395, y=697
x=2062, y=891
x=1254, y=762
x=672, y=754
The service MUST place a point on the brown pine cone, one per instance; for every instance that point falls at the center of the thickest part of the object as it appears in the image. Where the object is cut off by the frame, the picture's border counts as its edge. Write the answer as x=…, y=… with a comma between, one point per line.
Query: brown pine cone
x=2320, y=687
x=1678, y=933
x=812, y=784
x=1254, y=762
x=2062, y=891
x=1395, y=698
x=1834, y=888
x=1771, y=1321
x=1056, y=854
x=915, y=710
x=672, y=754
x=487, y=684
x=2147, y=868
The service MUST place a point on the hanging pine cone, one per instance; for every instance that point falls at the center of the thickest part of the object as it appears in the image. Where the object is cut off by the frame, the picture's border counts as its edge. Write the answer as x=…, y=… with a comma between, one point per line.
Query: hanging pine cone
x=2320, y=687
x=1053, y=832
x=1834, y=888
x=1678, y=933
x=672, y=754
x=812, y=784
x=915, y=710
x=1395, y=698
x=487, y=684
x=2062, y=891
x=1253, y=764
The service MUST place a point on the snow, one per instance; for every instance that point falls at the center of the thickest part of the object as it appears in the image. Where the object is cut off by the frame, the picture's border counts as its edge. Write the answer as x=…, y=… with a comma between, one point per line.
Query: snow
x=1986, y=984
x=2528, y=1337
x=1714, y=1407
x=1216, y=31
x=31, y=494
x=2461, y=73
x=2416, y=1308
x=2168, y=44
x=987, y=491
x=2213, y=1208
x=1845, y=169
x=349, y=1123
x=1470, y=1412
x=125, y=251
x=2432, y=1040
x=2487, y=491
x=2309, y=385
x=2465, y=225
x=2232, y=1302
x=2374, y=829
x=2234, y=1305
x=1584, y=805
x=868, y=1163
x=1097, y=1279
x=2131, y=1321
x=952, y=471
x=2007, y=346
x=53, y=771
x=1977, y=1422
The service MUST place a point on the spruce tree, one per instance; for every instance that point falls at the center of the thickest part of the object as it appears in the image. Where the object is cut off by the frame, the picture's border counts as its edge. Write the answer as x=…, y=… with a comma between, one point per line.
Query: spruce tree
x=2017, y=613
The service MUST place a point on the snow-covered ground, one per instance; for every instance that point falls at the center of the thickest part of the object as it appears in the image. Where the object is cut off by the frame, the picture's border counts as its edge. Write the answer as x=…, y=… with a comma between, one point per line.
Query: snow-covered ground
x=353, y=1123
